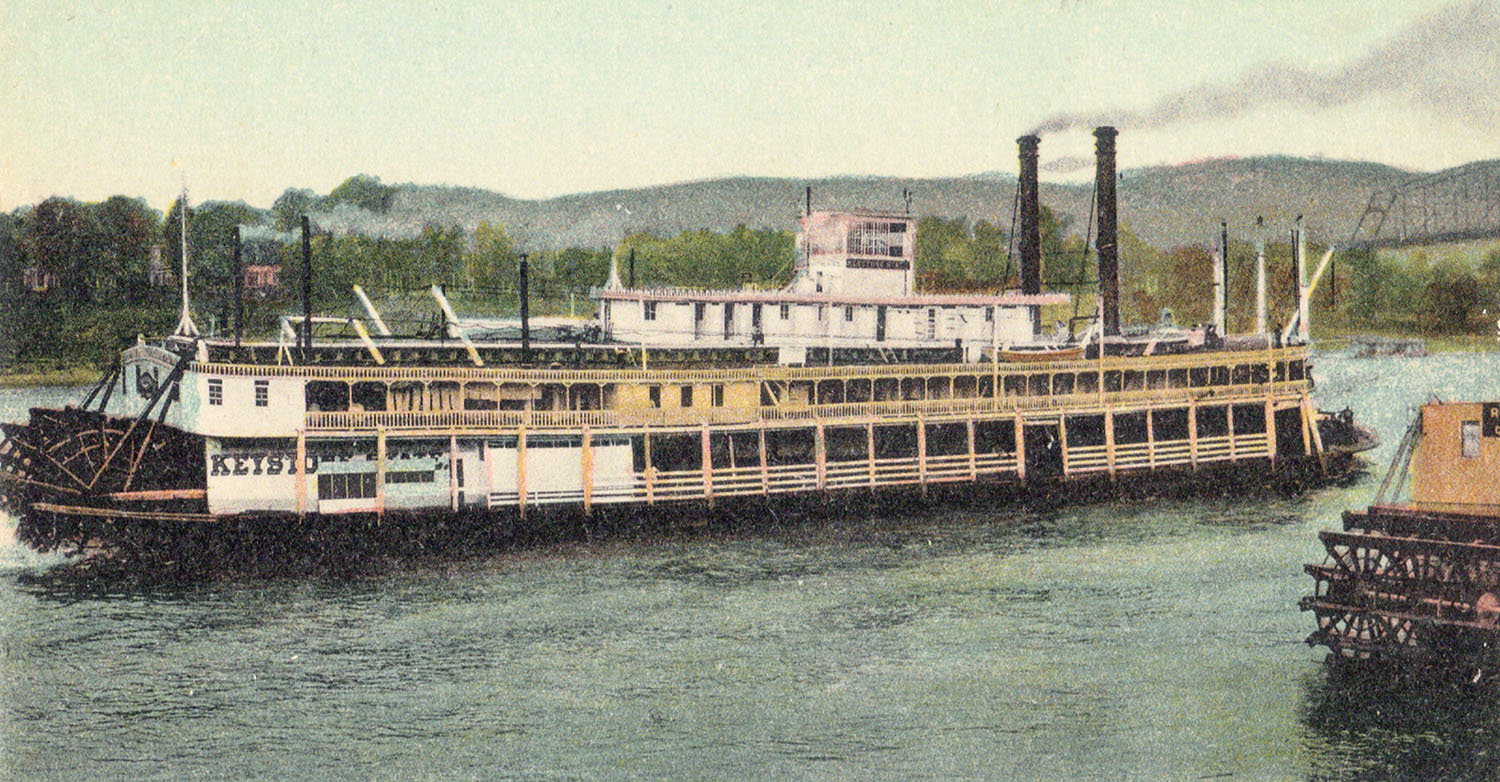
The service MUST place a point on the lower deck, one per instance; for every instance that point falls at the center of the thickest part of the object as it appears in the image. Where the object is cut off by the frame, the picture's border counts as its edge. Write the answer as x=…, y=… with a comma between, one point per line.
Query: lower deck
x=465, y=468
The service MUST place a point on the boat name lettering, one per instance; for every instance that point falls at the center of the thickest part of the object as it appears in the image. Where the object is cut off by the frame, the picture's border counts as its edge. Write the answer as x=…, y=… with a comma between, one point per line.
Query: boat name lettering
x=264, y=463
x=1490, y=415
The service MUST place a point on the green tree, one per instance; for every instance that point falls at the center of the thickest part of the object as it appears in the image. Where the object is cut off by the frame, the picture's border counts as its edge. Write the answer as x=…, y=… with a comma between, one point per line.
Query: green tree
x=60, y=237
x=362, y=191
x=128, y=228
x=287, y=211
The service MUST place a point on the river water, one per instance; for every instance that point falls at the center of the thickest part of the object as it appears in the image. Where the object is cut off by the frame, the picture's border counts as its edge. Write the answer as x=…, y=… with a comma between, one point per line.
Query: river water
x=1156, y=639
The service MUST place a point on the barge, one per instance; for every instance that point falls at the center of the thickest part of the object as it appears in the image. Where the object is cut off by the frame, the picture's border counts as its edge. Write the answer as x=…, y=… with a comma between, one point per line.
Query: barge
x=1413, y=580
x=846, y=380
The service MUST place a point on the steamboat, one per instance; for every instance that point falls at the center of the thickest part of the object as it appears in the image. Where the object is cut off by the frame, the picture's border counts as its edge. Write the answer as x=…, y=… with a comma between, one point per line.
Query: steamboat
x=846, y=381
x=1413, y=580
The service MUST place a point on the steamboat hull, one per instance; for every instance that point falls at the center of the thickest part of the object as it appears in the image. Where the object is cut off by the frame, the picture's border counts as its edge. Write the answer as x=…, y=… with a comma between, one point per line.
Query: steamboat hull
x=140, y=487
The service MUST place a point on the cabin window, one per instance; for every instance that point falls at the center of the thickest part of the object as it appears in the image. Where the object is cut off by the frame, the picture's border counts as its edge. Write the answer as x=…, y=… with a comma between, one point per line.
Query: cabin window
x=410, y=476
x=718, y=396
x=698, y=312
x=648, y=310
x=215, y=391
x=989, y=314
x=1470, y=435
x=786, y=312
x=848, y=314
x=822, y=312
x=346, y=485
x=262, y=393
x=687, y=396
x=654, y=392
x=931, y=323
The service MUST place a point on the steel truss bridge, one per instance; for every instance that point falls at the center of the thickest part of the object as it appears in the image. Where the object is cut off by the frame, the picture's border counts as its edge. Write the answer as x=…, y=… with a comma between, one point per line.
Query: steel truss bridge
x=1457, y=204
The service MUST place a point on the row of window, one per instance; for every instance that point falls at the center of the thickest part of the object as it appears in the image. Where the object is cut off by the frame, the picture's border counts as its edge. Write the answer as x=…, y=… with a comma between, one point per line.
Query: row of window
x=648, y=311
x=410, y=476
x=686, y=395
x=346, y=486
x=216, y=392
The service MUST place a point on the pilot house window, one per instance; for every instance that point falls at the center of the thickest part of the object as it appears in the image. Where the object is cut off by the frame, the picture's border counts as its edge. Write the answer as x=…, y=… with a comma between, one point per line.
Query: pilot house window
x=215, y=391
x=648, y=310
x=262, y=393
x=1470, y=435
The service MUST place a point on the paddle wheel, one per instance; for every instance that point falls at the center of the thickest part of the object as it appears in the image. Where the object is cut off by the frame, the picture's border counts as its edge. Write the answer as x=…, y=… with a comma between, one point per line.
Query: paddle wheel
x=78, y=478
x=1419, y=581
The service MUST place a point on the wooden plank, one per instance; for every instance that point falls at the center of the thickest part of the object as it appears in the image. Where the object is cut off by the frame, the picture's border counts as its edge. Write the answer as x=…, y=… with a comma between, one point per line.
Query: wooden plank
x=113, y=513
x=820, y=451
x=1193, y=433
x=156, y=495
x=1062, y=441
x=521, y=470
x=453, y=472
x=588, y=470
x=1020, y=447
x=379, y=473
x=708, y=465
x=1271, y=432
x=973, y=458
x=301, y=473
x=1109, y=439
x=922, y=452
x=650, y=471
x=765, y=477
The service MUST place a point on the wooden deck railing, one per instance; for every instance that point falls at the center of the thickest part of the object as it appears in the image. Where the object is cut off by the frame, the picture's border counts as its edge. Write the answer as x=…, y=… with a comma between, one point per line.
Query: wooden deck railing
x=841, y=413
x=774, y=373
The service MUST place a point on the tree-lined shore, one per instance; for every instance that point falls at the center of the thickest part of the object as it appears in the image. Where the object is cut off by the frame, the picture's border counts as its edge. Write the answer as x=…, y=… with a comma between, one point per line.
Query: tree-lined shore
x=80, y=280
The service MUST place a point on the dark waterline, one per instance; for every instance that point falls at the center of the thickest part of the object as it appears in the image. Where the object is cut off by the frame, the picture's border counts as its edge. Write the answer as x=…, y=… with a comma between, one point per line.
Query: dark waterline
x=1158, y=639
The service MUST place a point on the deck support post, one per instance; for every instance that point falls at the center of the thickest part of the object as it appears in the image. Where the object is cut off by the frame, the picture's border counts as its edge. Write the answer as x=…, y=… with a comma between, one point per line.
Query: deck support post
x=1311, y=416
x=301, y=474
x=587, y=456
x=765, y=472
x=453, y=471
x=708, y=465
x=1307, y=449
x=1109, y=440
x=1062, y=441
x=1020, y=447
x=973, y=458
x=1151, y=438
x=820, y=448
x=521, y=470
x=1271, y=432
x=650, y=470
x=922, y=453
x=870, y=446
x=1234, y=451
x=1193, y=433
x=380, y=472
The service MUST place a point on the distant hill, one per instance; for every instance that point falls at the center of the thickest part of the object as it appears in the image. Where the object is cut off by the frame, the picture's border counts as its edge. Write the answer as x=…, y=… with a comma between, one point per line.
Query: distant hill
x=1165, y=205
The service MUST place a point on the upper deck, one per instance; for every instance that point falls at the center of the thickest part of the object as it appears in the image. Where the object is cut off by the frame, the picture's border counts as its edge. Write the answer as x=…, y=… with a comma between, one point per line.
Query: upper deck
x=237, y=399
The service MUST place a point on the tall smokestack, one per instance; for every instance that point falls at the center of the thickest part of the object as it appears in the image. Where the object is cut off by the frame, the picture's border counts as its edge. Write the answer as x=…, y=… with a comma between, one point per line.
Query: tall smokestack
x=306, y=284
x=1107, y=242
x=1219, y=284
x=239, y=290
x=1260, y=276
x=1031, y=222
x=521, y=277
x=1223, y=303
x=1304, y=328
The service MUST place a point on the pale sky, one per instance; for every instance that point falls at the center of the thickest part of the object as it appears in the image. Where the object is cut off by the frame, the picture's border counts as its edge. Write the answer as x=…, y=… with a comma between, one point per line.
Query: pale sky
x=543, y=99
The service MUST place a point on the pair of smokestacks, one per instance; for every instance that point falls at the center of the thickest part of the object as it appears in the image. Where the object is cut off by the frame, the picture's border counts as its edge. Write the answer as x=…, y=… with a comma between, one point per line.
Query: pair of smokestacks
x=1106, y=212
